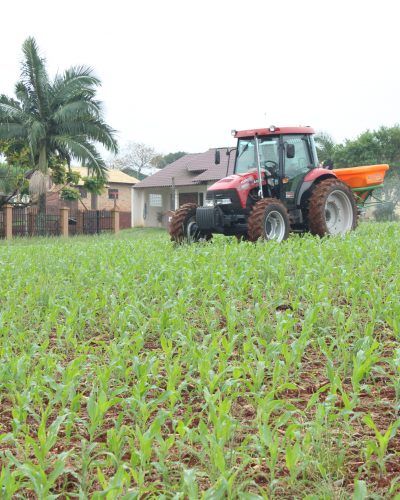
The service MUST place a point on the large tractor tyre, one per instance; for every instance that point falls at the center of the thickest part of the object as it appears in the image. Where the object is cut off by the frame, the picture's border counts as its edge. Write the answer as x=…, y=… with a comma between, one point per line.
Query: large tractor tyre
x=183, y=227
x=268, y=220
x=332, y=208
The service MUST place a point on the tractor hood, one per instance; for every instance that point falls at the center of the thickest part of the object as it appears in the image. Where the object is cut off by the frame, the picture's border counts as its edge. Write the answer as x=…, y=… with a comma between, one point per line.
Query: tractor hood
x=242, y=183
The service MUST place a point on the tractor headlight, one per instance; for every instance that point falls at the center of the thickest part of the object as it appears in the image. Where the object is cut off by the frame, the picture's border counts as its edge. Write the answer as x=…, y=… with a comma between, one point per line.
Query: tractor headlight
x=209, y=203
x=223, y=201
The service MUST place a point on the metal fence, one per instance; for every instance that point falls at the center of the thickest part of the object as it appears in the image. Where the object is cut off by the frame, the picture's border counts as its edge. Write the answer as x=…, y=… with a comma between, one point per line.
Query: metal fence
x=89, y=222
x=30, y=222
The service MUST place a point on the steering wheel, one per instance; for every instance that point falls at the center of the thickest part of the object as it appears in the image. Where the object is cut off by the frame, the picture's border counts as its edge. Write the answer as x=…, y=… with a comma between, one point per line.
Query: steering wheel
x=274, y=168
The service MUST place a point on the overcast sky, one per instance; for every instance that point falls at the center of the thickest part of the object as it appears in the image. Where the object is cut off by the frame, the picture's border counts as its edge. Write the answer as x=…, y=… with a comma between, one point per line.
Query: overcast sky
x=181, y=74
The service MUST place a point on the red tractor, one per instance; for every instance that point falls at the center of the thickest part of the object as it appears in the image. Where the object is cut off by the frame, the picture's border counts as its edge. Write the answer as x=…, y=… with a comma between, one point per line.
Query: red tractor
x=277, y=187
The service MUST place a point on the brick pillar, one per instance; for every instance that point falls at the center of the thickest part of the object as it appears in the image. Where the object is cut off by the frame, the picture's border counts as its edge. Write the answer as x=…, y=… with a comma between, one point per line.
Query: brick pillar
x=8, y=211
x=115, y=220
x=64, y=215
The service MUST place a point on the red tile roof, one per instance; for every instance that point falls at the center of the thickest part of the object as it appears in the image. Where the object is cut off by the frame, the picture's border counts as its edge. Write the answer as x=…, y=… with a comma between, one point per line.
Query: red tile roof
x=191, y=169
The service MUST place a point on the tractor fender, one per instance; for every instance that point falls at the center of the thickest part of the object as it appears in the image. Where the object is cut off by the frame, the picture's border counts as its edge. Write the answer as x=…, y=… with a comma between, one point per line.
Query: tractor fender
x=313, y=177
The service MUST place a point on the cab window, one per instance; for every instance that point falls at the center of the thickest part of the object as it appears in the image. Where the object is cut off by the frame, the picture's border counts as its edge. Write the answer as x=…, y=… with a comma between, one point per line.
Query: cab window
x=246, y=159
x=301, y=162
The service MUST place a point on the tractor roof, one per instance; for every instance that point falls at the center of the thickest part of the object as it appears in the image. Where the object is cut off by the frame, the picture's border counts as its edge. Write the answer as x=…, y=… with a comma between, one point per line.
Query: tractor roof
x=273, y=131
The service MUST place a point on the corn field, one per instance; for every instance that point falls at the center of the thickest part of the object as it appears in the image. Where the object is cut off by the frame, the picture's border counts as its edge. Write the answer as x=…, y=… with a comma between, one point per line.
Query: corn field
x=132, y=368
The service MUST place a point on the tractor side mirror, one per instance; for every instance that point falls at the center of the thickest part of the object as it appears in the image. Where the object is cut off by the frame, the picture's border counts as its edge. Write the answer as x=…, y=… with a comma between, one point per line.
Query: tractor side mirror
x=217, y=157
x=290, y=151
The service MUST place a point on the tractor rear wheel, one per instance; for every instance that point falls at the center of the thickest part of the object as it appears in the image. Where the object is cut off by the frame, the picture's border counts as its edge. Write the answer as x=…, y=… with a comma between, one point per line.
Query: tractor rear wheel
x=183, y=226
x=332, y=208
x=268, y=220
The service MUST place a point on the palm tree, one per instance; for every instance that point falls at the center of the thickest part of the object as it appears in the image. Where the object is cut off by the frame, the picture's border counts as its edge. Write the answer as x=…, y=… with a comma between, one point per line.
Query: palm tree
x=59, y=119
x=325, y=146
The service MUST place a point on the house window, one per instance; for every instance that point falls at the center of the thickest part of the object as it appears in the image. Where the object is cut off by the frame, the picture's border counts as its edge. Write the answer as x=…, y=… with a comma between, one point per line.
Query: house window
x=113, y=194
x=155, y=200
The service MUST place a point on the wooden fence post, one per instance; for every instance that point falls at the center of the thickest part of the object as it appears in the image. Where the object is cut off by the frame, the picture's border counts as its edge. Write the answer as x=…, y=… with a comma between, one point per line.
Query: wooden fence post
x=64, y=215
x=8, y=222
x=115, y=220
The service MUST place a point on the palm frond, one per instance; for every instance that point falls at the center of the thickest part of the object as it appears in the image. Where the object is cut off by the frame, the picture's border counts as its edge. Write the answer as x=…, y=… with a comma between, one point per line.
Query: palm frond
x=94, y=130
x=12, y=131
x=9, y=101
x=85, y=152
x=34, y=76
x=60, y=153
x=75, y=110
x=325, y=145
x=75, y=82
x=23, y=97
x=10, y=110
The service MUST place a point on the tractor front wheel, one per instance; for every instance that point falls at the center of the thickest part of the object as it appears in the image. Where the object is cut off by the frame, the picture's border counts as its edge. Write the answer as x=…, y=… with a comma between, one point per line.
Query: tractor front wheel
x=183, y=226
x=332, y=208
x=268, y=220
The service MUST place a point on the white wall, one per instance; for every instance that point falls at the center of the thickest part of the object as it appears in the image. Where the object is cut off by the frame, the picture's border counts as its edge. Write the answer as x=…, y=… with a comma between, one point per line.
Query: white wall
x=137, y=208
x=141, y=197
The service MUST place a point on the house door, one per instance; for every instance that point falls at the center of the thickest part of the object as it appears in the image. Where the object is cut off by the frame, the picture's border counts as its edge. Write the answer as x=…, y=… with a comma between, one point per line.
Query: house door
x=188, y=198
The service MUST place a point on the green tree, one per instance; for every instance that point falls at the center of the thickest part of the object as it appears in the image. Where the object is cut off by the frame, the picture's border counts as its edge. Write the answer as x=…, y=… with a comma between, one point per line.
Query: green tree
x=12, y=182
x=16, y=153
x=161, y=161
x=369, y=148
x=389, y=140
x=365, y=150
x=13, y=172
x=133, y=173
x=58, y=118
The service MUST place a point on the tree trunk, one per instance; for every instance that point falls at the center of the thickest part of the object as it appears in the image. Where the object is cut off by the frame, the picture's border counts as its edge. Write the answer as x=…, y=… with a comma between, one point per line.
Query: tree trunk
x=94, y=202
x=43, y=167
x=40, y=228
x=42, y=203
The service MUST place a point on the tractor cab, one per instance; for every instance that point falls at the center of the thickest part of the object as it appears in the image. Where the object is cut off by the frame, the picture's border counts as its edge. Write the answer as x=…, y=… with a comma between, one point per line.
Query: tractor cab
x=280, y=156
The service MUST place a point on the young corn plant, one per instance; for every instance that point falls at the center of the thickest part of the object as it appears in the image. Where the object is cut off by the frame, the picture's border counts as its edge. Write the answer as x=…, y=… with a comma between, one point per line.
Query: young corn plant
x=380, y=445
x=10, y=482
x=97, y=406
x=293, y=455
x=270, y=447
x=116, y=443
x=363, y=361
x=190, y=486
x=46, y=438
x=40, y=480
x=115, y=487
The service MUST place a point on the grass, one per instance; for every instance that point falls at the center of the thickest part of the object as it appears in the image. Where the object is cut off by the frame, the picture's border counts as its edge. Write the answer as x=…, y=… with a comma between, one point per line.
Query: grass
x=131, y=368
